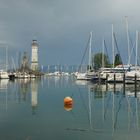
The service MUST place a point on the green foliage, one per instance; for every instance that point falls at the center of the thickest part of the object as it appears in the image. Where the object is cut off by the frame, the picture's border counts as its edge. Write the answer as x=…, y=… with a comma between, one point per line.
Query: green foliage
x=97, y=59
x=118, y=60
x=89, y=67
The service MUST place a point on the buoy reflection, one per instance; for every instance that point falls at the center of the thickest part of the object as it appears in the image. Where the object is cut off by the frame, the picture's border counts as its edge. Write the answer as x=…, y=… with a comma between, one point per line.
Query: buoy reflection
x=68, y=107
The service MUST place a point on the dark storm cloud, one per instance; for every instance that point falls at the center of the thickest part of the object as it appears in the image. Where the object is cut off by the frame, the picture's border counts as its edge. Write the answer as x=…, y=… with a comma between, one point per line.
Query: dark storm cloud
x=62, y=26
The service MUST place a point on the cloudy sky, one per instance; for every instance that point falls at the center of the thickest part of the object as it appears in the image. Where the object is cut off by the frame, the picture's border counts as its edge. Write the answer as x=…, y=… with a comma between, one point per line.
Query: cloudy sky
x=62, y=26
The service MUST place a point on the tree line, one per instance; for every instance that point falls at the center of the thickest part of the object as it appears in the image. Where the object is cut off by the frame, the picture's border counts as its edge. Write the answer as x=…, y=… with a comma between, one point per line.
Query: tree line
x=102, y=60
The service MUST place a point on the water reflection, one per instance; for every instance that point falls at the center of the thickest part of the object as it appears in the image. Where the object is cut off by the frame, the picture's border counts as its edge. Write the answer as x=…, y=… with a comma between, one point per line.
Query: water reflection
x=18, y=91
x=24, y=87
x=113, y=107
x=28, y=86
x=4, y=93
x=100, y=111
x=58, y=81
x=34, y=95
x=116, y=103
x=68, y=107
x=3, y=83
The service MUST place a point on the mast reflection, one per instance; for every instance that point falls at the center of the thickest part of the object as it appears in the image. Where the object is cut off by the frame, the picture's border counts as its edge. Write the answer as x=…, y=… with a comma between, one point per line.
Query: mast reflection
x=119, y=97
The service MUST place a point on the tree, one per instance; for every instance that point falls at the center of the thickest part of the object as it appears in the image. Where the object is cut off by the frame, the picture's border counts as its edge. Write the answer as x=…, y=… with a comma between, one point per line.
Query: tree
x=97, y=60
x=118, y=60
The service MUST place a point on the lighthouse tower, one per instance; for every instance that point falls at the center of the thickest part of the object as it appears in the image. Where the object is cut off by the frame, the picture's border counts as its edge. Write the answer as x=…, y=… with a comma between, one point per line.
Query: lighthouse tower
x=34, y=58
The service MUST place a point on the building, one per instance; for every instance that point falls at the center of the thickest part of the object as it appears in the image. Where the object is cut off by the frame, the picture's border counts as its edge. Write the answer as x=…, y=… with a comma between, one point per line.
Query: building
x=25, y=63
x=34, y=56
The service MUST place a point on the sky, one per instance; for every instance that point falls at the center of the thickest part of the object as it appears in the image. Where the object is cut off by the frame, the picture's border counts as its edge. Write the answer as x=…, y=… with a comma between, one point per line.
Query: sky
x=62, y=27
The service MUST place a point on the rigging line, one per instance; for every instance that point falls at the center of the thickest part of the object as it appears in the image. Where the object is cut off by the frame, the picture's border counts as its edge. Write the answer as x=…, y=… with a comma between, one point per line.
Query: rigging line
x=130, y=40
x=118, y=49
x=83, y=102
x=117, y=112
x=132, y=49
x=134, y=52
x=132, y=44
x=72, y=113
x=87, y=45
x=107, y=105
x=106, y=51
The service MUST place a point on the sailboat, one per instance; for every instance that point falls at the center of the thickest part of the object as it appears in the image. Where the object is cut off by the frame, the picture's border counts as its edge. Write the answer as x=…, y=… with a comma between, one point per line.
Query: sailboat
x=115, y=74
x=136, y=70
x=90, y=72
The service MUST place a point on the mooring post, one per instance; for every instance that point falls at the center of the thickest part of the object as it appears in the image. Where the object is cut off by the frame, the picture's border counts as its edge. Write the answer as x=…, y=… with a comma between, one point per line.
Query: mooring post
x=124, y=83
x=106, y=78
x=135, y=85
x=114, y=82
x=114, y=78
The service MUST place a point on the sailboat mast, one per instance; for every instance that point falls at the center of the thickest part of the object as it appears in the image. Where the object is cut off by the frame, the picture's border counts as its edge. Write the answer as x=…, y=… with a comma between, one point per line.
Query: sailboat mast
x=6, y=59
x=136, y=49
x=103, y=53
x=113, y=52
x=90, y=41
x=128, y=40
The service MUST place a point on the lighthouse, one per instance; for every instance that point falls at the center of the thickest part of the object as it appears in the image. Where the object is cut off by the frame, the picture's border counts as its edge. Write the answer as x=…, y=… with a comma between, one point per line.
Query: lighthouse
x=34, y=57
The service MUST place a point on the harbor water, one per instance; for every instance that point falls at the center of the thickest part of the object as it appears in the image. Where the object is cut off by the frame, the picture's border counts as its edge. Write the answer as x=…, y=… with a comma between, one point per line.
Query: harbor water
x=34, y=109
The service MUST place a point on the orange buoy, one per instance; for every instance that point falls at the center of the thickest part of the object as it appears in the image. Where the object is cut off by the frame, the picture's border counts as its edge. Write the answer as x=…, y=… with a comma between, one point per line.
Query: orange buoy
x=68, y=101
